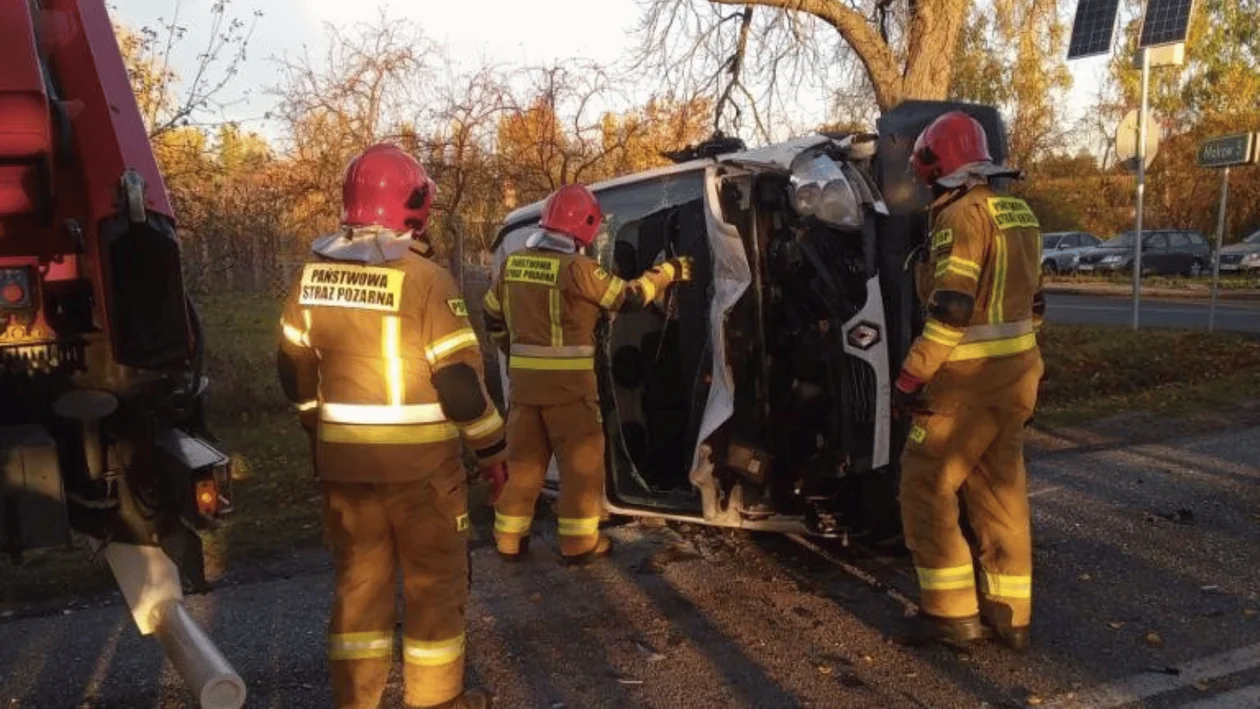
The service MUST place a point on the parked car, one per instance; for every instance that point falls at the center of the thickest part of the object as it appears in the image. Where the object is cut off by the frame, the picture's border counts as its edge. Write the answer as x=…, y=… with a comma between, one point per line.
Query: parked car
x=1164, y=252
x=757, y=395
x=1243, y=256
x=1060, y=250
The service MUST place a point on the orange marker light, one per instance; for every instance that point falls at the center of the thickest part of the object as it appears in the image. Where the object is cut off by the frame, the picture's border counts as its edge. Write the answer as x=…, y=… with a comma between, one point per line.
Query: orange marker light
x=207, y=498
x=12, y=293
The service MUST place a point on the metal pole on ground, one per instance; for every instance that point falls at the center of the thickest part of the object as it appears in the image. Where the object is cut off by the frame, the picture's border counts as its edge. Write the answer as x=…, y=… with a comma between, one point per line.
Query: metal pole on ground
x=1141, y=184
x=1216, y=255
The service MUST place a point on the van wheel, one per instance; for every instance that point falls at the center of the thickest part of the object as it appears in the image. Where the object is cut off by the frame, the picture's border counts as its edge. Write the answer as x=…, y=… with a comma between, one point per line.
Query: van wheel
x=1196, y=270
x=1048, y=268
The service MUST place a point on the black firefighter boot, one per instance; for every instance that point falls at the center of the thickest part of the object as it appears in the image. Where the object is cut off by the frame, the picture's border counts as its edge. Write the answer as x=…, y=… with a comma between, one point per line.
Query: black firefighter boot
x=603, y=547
x=506, y=554
x=470, y=699
x=1016, y=639
x=956, y=633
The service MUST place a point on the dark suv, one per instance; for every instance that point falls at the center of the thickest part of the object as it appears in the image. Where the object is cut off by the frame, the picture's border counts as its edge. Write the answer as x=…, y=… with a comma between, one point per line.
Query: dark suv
x=1164, y=252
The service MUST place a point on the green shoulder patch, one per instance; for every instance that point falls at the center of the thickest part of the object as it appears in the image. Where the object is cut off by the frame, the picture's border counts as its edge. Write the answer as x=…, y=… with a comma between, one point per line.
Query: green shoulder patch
x=918, y=434
x=458, y=307
x=600, y=273
x=943, y=239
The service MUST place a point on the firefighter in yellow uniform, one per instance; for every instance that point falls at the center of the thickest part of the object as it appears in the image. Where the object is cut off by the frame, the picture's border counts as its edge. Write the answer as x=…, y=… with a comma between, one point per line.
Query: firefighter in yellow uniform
x=970, y=381
x=542, y=310
x=378, y=355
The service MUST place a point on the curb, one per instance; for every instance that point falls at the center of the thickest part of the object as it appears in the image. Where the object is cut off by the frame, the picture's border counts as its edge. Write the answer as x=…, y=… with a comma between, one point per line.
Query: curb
x=1159, y=293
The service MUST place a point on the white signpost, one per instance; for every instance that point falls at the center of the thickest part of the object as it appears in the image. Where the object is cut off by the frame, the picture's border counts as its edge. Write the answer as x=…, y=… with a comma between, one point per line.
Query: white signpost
x=1223, y=153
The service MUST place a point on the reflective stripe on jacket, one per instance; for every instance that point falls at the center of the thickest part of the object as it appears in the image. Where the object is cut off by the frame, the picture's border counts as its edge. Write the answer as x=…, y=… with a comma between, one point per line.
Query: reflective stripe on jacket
x=359, y=350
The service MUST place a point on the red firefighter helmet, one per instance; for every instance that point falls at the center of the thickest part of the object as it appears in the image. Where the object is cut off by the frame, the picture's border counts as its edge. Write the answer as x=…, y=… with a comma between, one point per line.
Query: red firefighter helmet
x=949, y=142
x=574, y=212
x=387, y=187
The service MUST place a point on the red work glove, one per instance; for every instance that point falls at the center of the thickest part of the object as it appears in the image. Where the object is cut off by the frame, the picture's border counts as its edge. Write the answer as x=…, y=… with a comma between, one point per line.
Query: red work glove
x=907, y=396
x=497, y=474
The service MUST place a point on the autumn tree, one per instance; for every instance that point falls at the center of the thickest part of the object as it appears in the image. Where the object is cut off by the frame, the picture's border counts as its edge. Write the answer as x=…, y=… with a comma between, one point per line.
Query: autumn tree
x=638, y=138
x=902, y=48
x=554, y=133
x=1013, y=57
x=1213, y=93
x=168, y=101
x=361, y=91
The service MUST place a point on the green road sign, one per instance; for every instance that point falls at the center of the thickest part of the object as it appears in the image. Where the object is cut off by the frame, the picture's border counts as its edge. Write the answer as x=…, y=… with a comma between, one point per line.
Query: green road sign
x=1227, y=150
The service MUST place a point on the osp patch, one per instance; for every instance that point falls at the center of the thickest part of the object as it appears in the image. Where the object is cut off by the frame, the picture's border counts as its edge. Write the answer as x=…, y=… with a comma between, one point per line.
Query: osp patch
x=458, y=307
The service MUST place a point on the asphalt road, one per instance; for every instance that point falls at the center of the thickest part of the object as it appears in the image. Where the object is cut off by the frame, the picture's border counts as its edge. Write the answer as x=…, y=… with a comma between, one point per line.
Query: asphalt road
x=1147, y=574
x=1237, y=315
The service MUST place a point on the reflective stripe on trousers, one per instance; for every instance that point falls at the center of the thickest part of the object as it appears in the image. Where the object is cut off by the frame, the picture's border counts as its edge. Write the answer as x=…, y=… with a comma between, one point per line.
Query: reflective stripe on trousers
x=578, y=526
x=950, y=579
x=360, y=646
x=1006, y=586
x=433, y=653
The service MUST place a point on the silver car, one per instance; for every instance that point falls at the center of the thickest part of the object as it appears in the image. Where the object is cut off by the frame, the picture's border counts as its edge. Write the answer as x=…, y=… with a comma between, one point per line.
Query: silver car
x=1061, y=250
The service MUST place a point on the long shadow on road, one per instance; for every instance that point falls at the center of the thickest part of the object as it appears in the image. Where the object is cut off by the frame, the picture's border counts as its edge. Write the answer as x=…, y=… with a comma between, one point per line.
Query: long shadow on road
x=1117, y=590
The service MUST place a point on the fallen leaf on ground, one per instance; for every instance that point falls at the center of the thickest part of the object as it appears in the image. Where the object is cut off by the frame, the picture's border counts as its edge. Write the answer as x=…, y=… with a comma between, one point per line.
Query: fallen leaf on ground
x=824, y=670
x=1084, y=577
x=1201, y=686
x=1115, y=625
x=1033, y=701
x=649, y=653
x=535, y=597
x=628, y=680
x=1210, y=589
x=1250, y=612
x=1153, y=639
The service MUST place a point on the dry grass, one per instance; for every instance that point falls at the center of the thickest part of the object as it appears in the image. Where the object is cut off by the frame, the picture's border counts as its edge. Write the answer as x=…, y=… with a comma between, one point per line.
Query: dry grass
x=1228, y=282
x=1093, y=372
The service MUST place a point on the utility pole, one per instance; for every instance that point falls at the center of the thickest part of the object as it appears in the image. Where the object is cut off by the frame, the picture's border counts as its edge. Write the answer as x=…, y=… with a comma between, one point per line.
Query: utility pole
x=1141, y=186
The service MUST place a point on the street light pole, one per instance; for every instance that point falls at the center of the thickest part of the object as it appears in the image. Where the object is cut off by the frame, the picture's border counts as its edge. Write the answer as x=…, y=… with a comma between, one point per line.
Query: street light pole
x=1141, y=185
x=1220, y=237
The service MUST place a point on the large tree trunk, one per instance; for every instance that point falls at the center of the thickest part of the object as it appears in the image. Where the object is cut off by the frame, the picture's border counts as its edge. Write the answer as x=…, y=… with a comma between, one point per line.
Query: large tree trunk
x=933, y=35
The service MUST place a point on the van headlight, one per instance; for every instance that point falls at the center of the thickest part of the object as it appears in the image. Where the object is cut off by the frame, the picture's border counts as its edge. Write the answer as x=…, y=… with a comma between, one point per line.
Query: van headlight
x=1252, y=258
x=820, y=190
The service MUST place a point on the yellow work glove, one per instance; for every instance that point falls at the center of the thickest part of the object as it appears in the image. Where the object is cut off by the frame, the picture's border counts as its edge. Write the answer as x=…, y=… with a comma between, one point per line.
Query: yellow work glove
x=681, y=267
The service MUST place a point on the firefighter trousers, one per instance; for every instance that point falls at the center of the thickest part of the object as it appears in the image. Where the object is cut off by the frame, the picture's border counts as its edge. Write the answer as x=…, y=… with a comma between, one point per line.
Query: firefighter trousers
x=374, y=530
x=977, y=451
x=574, y=432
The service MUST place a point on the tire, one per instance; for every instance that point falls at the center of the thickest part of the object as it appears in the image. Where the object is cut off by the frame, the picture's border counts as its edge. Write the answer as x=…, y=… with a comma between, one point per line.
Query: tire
x=1196, y=269
x=1048, y=268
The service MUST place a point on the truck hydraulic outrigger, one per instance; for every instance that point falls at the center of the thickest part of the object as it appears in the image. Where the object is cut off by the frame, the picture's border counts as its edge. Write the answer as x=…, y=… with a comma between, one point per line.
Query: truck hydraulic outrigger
x=102, y=391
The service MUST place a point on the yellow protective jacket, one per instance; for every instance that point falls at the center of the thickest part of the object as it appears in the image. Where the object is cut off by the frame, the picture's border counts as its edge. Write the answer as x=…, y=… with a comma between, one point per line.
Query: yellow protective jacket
x=542, y=309
x=383, y=365
x=982, y=287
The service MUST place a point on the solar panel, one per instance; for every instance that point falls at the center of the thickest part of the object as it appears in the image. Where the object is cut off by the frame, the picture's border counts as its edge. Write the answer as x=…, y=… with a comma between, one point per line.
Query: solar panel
x=1093, y=28
x=1165, y=22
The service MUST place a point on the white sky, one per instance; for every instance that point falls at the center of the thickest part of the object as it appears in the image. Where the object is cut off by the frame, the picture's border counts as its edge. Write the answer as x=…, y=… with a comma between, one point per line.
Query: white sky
x=506, y=30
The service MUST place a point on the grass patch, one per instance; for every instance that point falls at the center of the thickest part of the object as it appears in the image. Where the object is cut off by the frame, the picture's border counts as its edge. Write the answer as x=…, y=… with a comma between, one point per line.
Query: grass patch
x=1094, y=371
x=1231, y=282
x=277, y=500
